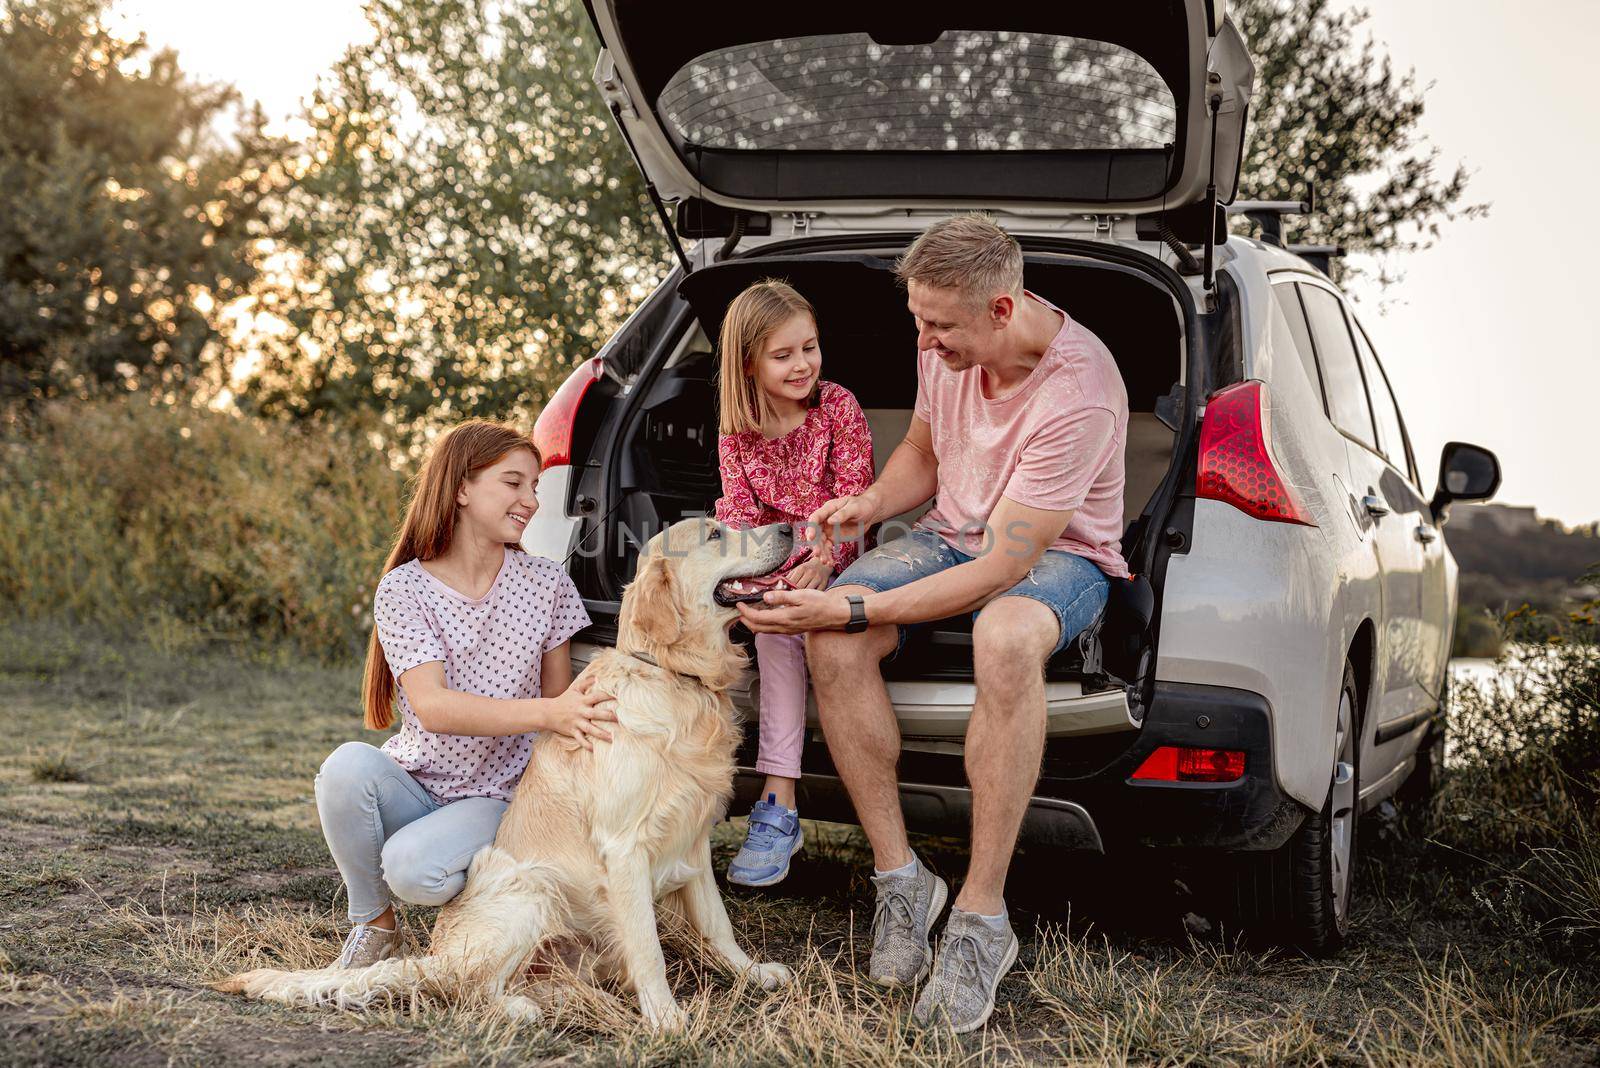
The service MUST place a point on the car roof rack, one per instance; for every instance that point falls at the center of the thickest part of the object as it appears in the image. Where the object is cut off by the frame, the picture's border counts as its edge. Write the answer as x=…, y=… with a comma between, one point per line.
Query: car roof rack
x=1268, y=214
x=1319, y=256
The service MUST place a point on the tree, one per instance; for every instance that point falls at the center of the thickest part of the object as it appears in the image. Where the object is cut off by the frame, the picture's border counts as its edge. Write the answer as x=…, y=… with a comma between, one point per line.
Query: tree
x=127, y=219
x=1332, y=114
x=468, y=225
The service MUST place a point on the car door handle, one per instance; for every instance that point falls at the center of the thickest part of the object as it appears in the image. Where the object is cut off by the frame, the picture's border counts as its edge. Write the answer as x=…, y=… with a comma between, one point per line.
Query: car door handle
x=1425, y=533
x=1374, y=506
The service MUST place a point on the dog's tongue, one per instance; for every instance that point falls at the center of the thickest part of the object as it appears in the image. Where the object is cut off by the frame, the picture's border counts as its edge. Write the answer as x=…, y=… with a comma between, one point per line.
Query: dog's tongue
x=733, y=591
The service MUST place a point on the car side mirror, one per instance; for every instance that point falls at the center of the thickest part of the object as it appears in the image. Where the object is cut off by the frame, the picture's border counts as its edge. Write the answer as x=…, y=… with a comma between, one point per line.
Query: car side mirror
x=1466, y=473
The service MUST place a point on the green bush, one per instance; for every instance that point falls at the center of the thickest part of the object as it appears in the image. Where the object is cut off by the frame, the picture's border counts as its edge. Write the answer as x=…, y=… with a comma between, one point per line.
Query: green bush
x=192, y=523
x=1477, y=634
x=1523, y=790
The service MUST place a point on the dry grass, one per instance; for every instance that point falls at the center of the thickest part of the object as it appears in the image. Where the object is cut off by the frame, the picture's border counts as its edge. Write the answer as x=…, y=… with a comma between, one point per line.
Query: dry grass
x=830, y=1015
x=1092, y=1002
x=1451, y=1016
x=1110, y=1007
x=193, y=852
x=58, y=767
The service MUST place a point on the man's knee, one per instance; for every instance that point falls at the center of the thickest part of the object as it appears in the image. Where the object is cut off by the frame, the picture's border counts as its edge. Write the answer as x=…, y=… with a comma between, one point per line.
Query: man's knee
x=1011, y=640
x=835, y=654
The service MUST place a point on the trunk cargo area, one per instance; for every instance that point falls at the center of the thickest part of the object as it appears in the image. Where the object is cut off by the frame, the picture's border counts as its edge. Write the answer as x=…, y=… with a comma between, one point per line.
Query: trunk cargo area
x=664, y=463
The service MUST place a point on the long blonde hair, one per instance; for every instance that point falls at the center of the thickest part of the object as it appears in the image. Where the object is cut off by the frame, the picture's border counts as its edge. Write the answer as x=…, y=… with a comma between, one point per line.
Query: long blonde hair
x=430, y=527
x=751, y=318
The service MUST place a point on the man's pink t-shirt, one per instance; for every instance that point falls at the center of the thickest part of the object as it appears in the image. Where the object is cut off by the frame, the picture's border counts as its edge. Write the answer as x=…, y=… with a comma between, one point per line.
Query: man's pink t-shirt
x=492, y=646
x=1057, y=442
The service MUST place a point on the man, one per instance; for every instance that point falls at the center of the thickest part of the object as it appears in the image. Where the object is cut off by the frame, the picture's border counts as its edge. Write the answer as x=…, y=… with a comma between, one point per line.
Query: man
x=1019, y=433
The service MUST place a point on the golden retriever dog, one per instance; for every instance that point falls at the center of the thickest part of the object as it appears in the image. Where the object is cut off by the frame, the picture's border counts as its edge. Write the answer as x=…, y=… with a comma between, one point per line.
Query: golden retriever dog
x=595, y=840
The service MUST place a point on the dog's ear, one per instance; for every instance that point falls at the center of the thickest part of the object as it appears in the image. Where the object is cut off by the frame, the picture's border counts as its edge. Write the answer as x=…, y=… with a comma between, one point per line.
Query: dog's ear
x=652, y=599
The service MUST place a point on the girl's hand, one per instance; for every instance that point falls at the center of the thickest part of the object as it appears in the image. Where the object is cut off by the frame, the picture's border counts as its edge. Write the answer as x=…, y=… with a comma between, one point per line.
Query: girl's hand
x=578, y=714
x=810, y=575
x=844, y=518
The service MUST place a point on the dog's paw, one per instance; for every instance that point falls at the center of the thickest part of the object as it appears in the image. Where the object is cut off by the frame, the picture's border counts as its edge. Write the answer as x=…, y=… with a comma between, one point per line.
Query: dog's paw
x=663, y=1014
x=250, y=984
x=519, y=1009
x=770, y=975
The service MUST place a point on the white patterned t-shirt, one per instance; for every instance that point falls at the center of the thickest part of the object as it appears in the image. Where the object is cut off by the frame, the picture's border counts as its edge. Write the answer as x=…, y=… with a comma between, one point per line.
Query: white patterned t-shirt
x=491, y=646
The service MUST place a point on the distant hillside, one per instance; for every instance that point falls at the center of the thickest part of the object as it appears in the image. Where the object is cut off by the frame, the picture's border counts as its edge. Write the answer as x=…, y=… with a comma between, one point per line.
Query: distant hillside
x=1510, y=556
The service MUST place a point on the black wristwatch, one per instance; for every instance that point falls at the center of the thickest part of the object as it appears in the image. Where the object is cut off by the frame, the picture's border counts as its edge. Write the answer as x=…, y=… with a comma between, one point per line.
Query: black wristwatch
x=858, y=614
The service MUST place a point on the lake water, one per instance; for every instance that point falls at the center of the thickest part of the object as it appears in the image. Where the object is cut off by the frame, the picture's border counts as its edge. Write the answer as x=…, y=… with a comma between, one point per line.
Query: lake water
x=1472, y=669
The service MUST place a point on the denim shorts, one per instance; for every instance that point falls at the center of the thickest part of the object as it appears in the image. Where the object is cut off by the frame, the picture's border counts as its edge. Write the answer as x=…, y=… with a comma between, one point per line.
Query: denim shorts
x=1071, y=586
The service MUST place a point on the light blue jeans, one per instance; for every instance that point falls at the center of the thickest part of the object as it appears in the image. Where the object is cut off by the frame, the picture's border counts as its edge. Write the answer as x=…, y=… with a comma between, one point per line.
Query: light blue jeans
x=1073, y=588
x=389, y=838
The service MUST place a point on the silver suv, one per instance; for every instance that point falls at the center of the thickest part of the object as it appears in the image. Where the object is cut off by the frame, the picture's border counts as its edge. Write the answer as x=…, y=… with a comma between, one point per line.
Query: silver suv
x=1277, y=664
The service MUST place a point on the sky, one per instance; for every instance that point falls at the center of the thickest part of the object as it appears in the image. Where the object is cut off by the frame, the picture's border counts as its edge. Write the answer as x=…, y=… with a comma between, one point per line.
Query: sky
x=1488, y=338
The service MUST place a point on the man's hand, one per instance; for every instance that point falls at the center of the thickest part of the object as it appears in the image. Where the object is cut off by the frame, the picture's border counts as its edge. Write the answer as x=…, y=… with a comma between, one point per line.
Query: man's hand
x=845, y=518
x=796, y=612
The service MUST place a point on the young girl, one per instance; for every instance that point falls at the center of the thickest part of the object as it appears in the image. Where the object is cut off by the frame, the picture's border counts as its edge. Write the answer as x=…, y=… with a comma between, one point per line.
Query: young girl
x=474, y=631
x=789, y=443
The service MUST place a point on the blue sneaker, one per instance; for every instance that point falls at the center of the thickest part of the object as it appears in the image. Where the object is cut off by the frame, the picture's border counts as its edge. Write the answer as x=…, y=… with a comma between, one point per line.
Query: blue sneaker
x=774, y=837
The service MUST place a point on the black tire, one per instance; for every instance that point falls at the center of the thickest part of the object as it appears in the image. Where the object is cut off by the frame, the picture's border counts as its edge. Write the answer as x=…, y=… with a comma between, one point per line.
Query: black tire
x=1300, y=894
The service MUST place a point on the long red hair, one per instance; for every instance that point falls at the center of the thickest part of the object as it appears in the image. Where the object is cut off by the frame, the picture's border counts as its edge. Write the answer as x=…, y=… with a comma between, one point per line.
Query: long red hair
x=430, y=526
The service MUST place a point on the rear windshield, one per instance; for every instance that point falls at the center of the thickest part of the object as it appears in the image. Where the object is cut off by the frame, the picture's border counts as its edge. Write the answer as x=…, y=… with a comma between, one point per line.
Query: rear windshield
x=969, y=90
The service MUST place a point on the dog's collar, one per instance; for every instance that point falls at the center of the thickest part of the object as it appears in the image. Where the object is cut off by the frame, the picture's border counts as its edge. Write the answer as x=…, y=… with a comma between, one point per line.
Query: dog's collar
x=653, y=662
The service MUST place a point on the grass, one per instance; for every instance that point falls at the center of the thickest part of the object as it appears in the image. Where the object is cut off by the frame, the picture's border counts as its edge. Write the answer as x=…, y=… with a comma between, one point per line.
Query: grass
x=192, y=850
x=57, y=767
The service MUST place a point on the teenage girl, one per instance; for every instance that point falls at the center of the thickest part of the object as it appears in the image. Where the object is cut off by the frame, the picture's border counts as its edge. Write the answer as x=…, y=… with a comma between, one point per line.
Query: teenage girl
x=789, y=443
x=470, y=640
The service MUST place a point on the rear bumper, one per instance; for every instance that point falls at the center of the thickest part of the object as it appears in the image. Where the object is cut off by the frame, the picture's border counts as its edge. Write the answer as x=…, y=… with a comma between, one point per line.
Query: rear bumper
x=1085, y=798
x=931, y=712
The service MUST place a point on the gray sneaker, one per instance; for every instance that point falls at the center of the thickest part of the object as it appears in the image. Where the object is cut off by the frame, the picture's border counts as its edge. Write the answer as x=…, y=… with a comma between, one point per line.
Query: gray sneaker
x=907, y=907
x=972, y=959
x=366, y=944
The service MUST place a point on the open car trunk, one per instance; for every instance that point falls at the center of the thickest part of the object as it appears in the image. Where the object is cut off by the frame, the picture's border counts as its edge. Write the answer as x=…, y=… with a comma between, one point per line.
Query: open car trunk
x=1137, y=106
x=665, y=461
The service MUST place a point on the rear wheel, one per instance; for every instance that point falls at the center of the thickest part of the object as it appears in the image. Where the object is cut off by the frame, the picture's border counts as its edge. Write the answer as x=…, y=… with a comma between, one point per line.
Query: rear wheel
x=1300, y=894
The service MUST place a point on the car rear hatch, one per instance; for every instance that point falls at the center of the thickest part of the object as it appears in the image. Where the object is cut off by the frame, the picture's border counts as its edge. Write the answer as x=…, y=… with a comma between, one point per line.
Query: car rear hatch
x=835, y=107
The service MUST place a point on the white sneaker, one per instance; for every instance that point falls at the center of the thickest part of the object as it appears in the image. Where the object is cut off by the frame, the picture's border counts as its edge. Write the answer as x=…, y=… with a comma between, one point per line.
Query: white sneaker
x=366, y=944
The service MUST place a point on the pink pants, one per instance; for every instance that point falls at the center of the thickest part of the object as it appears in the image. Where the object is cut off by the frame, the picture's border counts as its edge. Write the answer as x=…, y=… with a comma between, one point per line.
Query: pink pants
x=781, y=659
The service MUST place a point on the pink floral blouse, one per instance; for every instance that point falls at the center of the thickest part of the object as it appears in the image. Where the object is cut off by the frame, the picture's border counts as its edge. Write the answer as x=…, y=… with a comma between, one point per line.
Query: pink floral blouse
x=785, y=479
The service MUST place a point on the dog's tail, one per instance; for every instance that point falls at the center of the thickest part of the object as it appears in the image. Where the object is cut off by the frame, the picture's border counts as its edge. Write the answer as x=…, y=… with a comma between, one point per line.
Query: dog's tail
x=481, y=940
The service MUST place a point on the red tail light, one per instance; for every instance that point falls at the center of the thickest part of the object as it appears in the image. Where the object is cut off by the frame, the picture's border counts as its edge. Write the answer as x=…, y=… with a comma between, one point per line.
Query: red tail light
x=1236, y=464
x=1172, y=763
x=552, y=431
